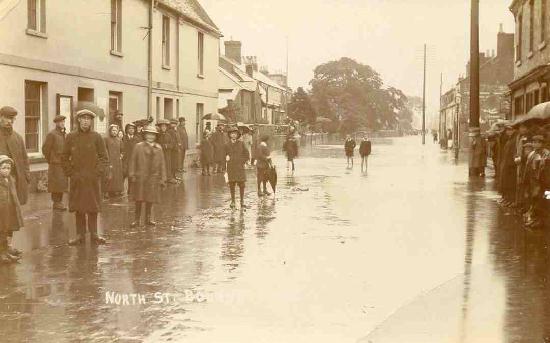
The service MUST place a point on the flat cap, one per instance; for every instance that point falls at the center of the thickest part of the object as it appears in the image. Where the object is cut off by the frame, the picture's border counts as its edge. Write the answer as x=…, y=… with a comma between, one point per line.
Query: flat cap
x=538, y=138
x=163, y=122
x=86, y=108
x=150, y=129
x=8, y=111
x=59, y=118
x=173, y=121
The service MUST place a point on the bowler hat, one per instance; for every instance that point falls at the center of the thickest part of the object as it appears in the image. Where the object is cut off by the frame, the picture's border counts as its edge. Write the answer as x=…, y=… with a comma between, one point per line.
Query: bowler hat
x=150, y=129
x=8, y=111
x=4, y=159
x=59, y=118
x=163, y=122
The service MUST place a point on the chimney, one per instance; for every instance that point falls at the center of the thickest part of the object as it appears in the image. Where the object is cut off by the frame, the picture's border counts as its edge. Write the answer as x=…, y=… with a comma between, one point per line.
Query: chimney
x=250, y=70
x=251, y=63
x=233, y=50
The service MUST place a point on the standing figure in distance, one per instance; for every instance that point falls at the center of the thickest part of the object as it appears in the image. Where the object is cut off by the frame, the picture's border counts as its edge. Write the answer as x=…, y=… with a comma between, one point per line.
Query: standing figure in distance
x=290, y=146
x=364, y=151
x=184, y=143
x=263, y=162
x=114, y=181
x=131, y=138
x=349, y=146
x=165, y=140
x=52, y=149
x=147, y=172
x=207, y=152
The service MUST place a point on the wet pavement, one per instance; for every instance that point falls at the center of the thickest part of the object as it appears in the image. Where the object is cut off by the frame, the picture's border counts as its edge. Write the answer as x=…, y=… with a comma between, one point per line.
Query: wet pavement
x=411, y=252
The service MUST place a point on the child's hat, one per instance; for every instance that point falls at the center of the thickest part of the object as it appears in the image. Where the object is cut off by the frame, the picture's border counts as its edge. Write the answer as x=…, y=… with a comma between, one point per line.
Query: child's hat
x=4, y=159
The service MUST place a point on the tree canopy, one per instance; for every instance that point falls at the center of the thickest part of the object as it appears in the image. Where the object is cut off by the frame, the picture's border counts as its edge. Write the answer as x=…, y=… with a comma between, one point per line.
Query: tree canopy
x=352, y=95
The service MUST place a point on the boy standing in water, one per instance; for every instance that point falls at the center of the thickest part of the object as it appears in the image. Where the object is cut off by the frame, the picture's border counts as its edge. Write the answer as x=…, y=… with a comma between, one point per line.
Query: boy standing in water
x=364, y=151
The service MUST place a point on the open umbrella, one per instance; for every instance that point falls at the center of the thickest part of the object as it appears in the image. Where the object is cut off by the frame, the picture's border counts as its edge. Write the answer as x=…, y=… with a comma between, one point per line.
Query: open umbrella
x=539, y=112
x=214, y=116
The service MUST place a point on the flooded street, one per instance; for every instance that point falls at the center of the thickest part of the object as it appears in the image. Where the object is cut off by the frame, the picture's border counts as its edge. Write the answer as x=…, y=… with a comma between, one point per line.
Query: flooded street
x=411, y=252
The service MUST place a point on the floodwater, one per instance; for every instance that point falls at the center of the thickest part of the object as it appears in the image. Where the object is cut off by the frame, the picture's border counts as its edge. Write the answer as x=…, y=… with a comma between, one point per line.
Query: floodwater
x=410, y=252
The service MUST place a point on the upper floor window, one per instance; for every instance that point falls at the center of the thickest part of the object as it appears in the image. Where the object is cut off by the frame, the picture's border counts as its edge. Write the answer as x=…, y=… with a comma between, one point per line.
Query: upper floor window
x=37, y=15
x=165, y=41
x=201, y=53
x=543, y=19
x=116, y=27
x=519, y=36
x=531, y=24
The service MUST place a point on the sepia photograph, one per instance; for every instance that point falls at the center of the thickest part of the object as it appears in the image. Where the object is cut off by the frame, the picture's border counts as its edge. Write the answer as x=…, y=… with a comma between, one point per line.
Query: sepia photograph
x=239, y=171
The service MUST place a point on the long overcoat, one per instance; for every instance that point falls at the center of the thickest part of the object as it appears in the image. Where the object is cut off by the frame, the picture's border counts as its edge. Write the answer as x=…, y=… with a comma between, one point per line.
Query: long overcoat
x=128, y=145
x=184, y=139
x=206, y=152
x=147, y=171
x=10, y=210
x=52, y=149
x=176, y=151
x=478, y=157
x=85, y=161
x=115, y=180
x=238, y=156
x=508, y=170
x=167, y=144
x=218, y=145
x=13, y=146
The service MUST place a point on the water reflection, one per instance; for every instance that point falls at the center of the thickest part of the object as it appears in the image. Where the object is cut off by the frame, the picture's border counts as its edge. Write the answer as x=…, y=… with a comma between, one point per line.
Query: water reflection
x=233, y=242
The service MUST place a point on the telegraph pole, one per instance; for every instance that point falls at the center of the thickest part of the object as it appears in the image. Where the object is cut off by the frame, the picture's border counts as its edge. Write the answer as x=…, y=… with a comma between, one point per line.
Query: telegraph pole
x=424, y=101
x=473, y=126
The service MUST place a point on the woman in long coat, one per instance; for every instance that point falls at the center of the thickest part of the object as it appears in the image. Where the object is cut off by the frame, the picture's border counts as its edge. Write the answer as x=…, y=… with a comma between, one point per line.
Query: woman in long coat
x=114, y=185
x=236, y=156
x=147, y=172
x=207, y=152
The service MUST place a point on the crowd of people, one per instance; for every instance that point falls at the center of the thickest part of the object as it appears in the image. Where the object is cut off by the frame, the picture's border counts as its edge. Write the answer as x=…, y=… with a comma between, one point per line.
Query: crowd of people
x=140, y=160
x=521, y=158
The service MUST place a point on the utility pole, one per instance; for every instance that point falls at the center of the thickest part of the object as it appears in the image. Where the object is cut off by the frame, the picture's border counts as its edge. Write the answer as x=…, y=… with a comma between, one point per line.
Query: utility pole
x=473, y=127
x=424, y=101
x=150, y=61
x=441, y=120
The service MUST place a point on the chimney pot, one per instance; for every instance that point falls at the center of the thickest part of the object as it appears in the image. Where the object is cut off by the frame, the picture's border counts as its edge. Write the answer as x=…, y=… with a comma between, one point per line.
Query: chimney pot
x=233, y=50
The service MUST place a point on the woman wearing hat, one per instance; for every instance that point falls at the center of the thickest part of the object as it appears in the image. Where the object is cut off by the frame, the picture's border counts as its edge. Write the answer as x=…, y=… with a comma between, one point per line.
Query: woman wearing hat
x=52, y=149
x=10, y=211
x=236, y=157
x=147, y=173
x=114, y=184
x=129, y=141
x=168, y=145
x=85, y=161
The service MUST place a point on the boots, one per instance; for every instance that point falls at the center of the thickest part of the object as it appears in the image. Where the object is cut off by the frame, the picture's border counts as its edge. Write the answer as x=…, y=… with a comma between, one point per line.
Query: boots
x=148, y=208
x=137, y=220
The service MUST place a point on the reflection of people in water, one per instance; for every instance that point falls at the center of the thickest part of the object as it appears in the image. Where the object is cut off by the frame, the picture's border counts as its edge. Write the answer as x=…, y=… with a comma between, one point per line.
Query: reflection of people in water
x=266, y=214
x=232, y=246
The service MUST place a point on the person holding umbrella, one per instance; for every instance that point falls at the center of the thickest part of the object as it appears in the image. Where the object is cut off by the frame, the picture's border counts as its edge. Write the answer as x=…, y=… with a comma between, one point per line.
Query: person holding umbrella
x=236, y=156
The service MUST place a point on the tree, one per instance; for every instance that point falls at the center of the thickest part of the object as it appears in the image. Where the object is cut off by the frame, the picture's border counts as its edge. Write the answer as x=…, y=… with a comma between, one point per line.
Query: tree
x=300, y=107
x=352, y=94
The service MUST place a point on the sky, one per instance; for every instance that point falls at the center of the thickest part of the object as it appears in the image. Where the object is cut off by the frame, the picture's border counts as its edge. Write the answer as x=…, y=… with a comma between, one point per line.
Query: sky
x=388, y=35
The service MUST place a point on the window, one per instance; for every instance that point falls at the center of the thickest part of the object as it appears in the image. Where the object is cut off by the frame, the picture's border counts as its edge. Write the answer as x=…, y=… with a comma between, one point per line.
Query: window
x=34, y=108
x=518, y=105
x=544, y=94
x=198, y=122
x=531, y=24
x=520, y=37
x=116, y=25
x=115, y=104
x=528, y=101
x=543, y=14
x=64, y=107
x=165, y=41
x=168, y=108
x=201, y=53
x=37, y=15
x=536, y=98
x=157, y=110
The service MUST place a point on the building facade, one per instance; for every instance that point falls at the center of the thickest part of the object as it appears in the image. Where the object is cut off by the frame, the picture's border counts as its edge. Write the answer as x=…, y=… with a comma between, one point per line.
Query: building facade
x=264, y=100
x=532, y=55
x=495, y=73
x=140, y=57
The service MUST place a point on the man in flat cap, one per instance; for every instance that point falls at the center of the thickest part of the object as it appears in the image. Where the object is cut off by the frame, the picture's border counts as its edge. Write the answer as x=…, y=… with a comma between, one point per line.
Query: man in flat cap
x=175, y=157
x=85, y=161
x=184, y=142
x=13, y=146
x=52, y=149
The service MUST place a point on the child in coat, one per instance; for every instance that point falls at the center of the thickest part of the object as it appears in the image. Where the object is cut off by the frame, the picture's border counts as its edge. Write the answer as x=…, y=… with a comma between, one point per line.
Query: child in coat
x=10, y=212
